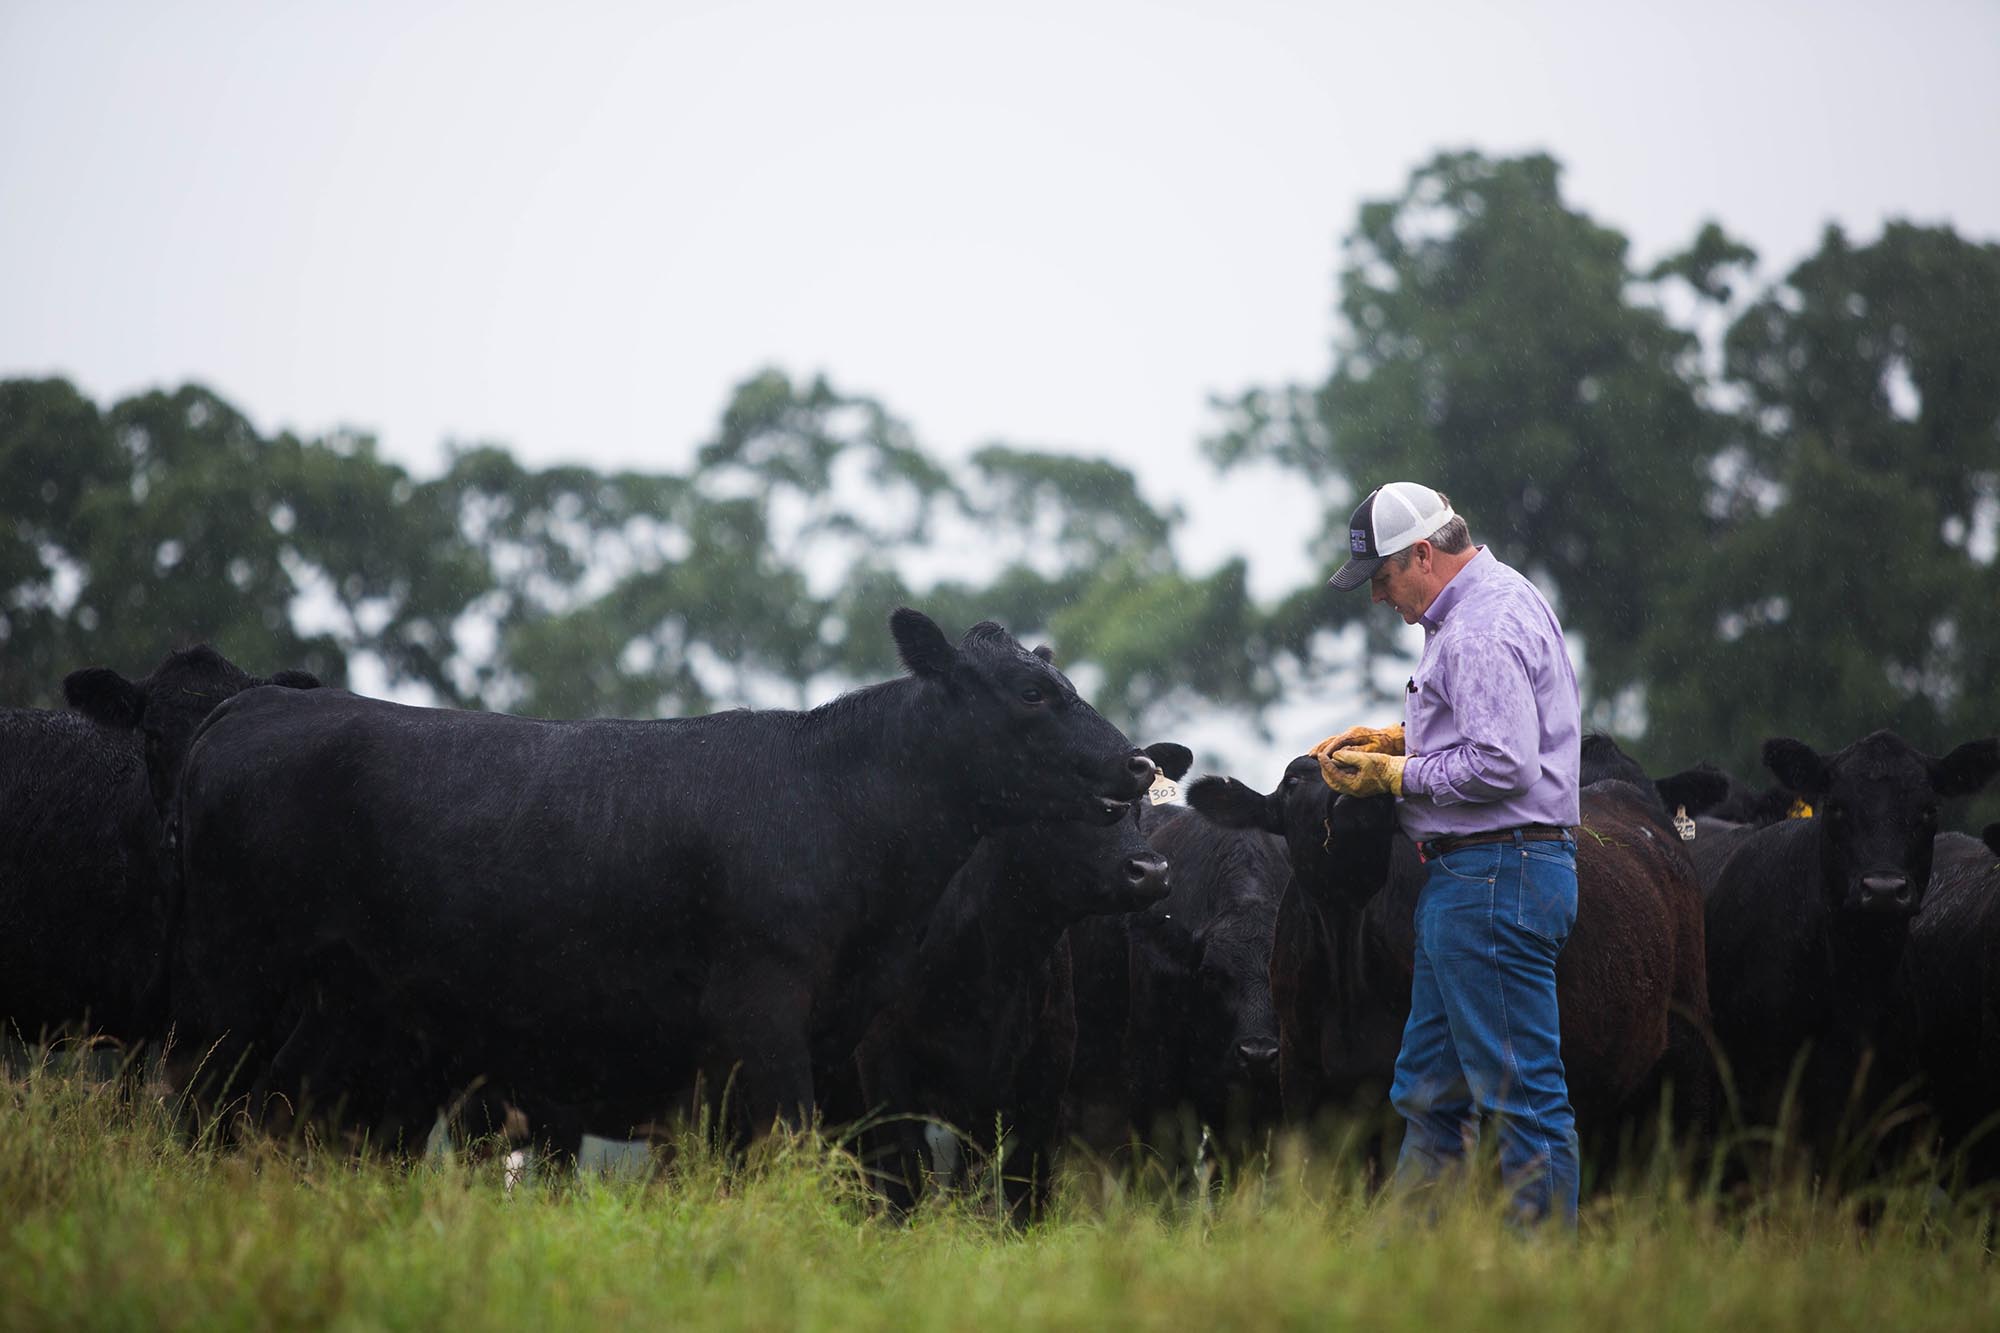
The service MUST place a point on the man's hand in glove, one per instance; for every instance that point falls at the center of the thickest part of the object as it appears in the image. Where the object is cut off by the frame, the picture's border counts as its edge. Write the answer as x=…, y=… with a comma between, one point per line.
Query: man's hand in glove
x=1363, y=772
x=1376, y=740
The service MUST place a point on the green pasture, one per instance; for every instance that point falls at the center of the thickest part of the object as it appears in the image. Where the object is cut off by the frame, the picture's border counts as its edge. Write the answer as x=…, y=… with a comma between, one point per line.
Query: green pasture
x=111, y=1218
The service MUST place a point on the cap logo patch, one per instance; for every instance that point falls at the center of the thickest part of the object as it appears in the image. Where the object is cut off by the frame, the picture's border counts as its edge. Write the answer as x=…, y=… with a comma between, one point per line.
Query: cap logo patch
x=1357, y=540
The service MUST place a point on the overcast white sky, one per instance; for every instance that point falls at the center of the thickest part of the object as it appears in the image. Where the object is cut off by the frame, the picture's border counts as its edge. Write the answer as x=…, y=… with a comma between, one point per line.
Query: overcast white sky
x=572, y=228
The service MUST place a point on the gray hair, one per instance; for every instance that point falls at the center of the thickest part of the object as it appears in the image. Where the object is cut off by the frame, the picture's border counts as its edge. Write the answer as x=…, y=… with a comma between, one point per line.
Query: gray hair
x=1454, y=538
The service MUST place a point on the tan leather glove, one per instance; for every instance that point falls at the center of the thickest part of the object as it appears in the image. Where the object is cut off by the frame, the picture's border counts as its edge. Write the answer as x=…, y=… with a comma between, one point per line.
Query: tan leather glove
x=1363, y=772
x=1377, y=740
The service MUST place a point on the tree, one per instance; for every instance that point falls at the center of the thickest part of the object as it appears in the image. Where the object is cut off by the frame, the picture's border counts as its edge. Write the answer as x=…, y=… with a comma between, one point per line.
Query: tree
x=1492, y=343
x=55, y=449
x=1850, y=583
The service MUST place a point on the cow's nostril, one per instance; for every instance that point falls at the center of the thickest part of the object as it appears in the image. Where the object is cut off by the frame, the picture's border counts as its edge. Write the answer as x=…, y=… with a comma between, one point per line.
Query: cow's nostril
x=1141, y=869
x=1886, y=892
x=1258, y=1053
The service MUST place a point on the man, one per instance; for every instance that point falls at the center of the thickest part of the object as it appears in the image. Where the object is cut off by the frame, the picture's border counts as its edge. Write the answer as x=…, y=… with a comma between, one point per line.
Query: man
x=1486, y=768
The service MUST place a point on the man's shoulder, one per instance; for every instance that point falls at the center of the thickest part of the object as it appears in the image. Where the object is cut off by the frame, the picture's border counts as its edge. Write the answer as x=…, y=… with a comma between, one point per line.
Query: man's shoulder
x=1505, y=588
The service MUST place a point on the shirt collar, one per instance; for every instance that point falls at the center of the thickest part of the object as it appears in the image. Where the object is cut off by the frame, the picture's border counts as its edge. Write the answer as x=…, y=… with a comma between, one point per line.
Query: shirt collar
x=1476, y=571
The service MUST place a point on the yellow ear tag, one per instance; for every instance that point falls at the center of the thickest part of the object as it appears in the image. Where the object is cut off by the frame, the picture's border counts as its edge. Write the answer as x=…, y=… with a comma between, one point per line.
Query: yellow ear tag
x=1800, y=810
x=1162, y=790
x=1682, y=824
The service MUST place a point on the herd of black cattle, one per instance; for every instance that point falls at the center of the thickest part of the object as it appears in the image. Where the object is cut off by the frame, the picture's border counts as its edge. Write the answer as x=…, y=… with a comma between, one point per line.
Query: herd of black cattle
x=943, y=899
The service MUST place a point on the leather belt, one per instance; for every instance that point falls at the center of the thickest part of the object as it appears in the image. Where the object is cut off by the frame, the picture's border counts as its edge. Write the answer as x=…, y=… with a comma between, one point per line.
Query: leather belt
x=1436, y=847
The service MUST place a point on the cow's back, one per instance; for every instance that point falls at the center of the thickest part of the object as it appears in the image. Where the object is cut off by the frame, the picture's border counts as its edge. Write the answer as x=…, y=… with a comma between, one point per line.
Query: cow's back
x=1763, y=914
x=1633, y=977
x=546, y=897
x=79, y=883
x=1951, y=986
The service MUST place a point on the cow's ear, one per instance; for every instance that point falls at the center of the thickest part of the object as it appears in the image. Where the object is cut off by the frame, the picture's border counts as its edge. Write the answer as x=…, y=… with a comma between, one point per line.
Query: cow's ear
x=1227, y=802
x=1695, y=790
x=1173, y=760
x=1046, y=653
x=1966, y=769
x=921, y=644
x=1797, y=765
x=105, y=696
x=296, y=680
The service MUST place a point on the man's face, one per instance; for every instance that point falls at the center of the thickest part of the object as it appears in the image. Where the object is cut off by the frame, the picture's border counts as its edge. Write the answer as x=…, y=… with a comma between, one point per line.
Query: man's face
x=1403, y=585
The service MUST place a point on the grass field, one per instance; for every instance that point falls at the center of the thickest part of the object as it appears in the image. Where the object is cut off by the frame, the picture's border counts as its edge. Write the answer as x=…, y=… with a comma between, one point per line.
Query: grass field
x=109, y=1218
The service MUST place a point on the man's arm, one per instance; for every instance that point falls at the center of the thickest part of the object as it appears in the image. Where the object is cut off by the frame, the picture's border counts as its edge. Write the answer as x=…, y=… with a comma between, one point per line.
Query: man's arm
x=1499, y=724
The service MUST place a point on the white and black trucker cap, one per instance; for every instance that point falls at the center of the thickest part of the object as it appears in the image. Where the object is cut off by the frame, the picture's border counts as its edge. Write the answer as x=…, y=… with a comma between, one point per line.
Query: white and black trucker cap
x=1391, y=519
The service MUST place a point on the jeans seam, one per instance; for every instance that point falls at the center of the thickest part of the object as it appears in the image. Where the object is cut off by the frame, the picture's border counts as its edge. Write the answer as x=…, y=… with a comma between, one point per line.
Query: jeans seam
x=1548, y=1154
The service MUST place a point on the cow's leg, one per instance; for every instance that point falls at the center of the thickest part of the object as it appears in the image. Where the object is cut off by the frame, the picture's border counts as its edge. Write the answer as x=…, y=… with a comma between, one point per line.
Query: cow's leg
x=757, y=1015
x=283, y=1076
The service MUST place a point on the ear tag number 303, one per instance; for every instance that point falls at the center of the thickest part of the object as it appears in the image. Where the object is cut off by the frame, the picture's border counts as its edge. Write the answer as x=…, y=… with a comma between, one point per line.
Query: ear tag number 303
x=1162, y=790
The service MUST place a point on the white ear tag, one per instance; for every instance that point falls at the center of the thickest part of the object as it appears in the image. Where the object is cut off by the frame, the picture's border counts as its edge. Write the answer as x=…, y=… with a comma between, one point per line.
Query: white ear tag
x=1682, y=824
x=1162, y=790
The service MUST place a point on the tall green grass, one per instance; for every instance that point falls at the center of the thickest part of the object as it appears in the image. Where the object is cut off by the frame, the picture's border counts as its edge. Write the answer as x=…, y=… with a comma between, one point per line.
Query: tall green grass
x=111, y=1218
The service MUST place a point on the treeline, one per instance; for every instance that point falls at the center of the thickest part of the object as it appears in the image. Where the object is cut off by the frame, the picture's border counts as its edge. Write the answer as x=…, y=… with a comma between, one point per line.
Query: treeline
x=1762, y=509
x=764, y=574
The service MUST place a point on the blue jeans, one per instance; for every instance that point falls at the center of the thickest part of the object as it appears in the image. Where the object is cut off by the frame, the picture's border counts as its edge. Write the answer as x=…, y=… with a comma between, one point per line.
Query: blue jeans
x=1483, y=1037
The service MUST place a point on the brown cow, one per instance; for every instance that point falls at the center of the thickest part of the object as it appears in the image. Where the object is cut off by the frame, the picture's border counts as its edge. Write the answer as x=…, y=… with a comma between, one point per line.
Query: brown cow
x=1631, y=981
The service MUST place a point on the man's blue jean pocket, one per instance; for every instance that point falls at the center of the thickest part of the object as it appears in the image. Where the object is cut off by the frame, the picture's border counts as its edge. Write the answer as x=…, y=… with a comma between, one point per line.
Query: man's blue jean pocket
x=1545, y=898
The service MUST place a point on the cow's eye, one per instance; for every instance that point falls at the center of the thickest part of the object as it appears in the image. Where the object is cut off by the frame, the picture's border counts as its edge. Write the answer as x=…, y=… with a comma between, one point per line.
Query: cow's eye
x=1032, y=694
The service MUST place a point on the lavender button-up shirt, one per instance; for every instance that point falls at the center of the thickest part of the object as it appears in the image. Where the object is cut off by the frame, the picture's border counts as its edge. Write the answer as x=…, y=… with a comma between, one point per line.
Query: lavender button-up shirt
x=1492, y=721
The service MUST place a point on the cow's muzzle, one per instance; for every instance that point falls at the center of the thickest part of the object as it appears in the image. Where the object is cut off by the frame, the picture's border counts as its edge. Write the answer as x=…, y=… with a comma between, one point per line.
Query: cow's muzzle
x=1888, y=894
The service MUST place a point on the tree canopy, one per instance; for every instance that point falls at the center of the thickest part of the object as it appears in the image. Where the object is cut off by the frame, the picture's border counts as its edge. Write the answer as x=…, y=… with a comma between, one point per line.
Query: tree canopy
x=1761, y=508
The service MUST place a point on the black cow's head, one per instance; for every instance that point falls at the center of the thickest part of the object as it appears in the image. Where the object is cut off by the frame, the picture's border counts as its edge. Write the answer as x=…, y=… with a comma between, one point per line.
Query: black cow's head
x=1338, y=845
x=1015, y=735
x=1084, y=869
x=168, y=706
x=1876, y=805
x=1234, y=1041
x=1339, y=848
x=1696, y=790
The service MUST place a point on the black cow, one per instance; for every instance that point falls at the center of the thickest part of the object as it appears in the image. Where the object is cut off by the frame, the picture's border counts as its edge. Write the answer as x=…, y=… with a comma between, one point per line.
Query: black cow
x=1629, y=982
x=1951, y=990
x=1701, y=793
x=1175, y=1029
x=169, y=706
x=1742, y=805
x=1808, y=921
x=1728, y=824
x=594, y=912
x=1692, y=791
x=984, y=1032
x=82, y=899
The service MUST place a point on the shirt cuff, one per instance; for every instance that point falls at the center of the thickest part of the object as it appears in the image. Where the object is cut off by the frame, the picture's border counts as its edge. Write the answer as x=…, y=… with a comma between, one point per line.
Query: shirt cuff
x=1413, y=776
